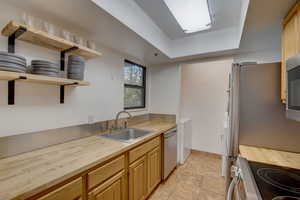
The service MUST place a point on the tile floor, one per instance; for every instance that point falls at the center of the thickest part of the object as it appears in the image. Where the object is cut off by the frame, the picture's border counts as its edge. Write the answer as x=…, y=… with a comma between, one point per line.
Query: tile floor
x=198, y=179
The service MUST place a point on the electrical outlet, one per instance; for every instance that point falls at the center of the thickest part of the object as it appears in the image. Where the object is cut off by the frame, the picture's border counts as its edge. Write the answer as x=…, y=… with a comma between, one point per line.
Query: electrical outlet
x=91, y=119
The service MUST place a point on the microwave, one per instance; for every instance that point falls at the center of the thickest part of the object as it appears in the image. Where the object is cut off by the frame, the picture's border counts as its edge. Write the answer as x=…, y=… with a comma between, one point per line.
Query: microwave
x=293, y=88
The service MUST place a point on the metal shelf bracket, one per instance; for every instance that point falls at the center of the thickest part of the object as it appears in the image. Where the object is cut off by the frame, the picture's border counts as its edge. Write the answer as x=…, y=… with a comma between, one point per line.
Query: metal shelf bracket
x=62, y=68
x=12, y=38
x=62, y=91
x=11, y=90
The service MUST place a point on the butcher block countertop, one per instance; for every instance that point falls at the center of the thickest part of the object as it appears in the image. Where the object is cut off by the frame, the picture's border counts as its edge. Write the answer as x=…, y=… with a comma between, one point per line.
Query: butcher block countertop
x=269, y=156
x=30, y=173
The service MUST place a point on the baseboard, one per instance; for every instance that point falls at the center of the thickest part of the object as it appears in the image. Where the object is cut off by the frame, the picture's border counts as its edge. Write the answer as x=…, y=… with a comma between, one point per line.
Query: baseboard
x=209, y=154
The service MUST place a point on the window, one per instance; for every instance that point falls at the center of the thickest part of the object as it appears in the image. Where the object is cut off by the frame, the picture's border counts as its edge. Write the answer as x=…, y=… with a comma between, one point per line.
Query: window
x=135, y=85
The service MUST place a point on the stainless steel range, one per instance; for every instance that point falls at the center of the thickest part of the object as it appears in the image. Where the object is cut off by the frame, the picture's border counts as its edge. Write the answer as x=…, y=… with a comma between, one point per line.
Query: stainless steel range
x=259, y=181
x=276, y=183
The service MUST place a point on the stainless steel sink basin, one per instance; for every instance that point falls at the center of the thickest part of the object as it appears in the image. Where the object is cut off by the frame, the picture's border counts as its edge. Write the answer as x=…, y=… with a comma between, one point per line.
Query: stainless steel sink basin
x=127, y=135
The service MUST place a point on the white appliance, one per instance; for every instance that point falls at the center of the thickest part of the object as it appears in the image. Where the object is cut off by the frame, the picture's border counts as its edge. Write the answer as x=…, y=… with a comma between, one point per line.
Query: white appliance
x=185, y=139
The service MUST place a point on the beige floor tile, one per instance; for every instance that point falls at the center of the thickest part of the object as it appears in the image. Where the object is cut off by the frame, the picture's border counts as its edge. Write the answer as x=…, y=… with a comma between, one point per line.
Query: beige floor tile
x=198, y=179
x=214, y=184
x=208, y=195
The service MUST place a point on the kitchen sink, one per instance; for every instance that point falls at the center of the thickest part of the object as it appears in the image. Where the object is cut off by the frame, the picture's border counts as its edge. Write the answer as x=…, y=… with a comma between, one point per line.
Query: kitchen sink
x=127, y=135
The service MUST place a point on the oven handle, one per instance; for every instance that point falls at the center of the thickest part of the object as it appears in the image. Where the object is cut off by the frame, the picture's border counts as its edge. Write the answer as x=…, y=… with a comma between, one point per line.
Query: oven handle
x=236, y=173
x=235, y=181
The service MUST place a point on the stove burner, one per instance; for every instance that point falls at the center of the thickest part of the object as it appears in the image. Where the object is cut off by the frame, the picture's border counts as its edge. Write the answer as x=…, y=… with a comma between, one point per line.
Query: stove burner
x=286, y=198
x=281, y=179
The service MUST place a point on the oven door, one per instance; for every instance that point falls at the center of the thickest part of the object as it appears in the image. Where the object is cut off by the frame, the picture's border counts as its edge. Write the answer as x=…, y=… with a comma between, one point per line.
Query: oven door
x=293, y=88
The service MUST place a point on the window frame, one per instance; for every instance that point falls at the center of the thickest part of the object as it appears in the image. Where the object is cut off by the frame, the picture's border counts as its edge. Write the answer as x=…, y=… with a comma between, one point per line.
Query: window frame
x=137, y=86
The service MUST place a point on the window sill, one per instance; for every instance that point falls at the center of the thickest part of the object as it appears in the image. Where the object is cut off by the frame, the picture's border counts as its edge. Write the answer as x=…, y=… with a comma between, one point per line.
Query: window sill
x=136, y=110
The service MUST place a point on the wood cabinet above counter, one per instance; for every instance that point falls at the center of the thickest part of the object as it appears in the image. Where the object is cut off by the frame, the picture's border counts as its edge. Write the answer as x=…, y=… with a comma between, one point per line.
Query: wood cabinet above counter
x=290, y=43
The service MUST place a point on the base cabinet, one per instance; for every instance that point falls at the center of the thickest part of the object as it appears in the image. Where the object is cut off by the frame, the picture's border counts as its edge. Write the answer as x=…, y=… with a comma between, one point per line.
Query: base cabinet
x=138, y=179
x=154, y=169
x=113, y=189
x=145, y=172
x=131, y=176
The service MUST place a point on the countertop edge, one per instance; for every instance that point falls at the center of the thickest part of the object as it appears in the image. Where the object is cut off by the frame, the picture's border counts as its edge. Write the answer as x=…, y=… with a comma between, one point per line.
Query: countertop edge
x=270, y=156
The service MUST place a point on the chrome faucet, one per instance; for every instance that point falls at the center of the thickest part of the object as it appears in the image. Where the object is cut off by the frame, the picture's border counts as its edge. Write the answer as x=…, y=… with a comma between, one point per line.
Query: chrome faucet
x=118, y=115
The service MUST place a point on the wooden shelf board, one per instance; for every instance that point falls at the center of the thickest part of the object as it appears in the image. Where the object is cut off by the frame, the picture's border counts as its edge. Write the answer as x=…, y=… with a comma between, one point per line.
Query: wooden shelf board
x=49, y=41
x=5, y=75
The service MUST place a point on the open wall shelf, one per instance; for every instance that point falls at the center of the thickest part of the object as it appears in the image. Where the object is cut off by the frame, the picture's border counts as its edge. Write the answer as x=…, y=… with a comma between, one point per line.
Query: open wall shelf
x=11, y=76
x=49, y=41
x=17, y=31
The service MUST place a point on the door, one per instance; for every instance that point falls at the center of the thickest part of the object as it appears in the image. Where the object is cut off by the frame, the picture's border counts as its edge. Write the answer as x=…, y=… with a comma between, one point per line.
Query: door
x=138, y=179
x=113, y=189
x=154, y=169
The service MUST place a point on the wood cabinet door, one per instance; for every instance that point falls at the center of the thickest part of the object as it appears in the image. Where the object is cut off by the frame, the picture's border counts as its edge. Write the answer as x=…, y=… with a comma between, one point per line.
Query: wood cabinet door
x=112, y=189
x=291, y=38
x=290, y=44
x=138, y=179
x=113, y=192
x=154, y=168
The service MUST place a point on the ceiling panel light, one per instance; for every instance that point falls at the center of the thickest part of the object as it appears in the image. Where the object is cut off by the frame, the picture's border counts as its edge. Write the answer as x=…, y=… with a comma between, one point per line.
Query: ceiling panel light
x=192, y=15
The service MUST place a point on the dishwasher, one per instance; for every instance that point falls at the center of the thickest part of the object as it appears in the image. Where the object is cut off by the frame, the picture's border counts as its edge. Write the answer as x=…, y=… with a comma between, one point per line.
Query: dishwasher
x=170, y=152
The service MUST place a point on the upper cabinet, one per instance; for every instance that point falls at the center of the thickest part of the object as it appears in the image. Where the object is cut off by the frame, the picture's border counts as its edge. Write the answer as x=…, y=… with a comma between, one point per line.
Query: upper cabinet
x=290, y=43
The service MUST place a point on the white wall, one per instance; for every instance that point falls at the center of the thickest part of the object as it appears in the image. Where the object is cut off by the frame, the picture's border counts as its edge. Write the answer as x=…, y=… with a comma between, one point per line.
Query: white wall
x=262, y=46
x=37, y=106
x=222, y=40
x=165, y=89
x=136, y=19
x=204, y=100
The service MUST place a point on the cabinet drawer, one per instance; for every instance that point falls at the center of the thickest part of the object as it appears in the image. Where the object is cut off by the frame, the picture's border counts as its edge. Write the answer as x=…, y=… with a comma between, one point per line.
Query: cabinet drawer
x=112, y=189
x=102, y=173
x=69, y=191
x=143, y=149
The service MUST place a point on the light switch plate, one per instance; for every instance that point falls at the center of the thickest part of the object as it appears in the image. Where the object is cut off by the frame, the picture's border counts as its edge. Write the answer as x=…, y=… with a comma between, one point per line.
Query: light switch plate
x=91, y=119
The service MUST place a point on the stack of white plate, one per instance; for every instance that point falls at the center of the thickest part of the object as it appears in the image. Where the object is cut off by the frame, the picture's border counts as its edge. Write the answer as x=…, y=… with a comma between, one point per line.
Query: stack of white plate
x=42, y=67
x=12, y=62
x=76, y=65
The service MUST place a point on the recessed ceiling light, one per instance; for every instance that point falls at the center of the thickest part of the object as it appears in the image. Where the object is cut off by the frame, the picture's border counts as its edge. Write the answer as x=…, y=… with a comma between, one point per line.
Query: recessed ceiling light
x=191, y=15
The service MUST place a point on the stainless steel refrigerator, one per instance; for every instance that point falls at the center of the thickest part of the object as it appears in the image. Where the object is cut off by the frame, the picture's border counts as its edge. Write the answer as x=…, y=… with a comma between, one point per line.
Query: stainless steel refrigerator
x=257, y=116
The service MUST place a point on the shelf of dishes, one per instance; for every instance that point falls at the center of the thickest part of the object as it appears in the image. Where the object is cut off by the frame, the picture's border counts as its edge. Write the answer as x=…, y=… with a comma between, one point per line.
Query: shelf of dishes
x=17, y=63
x=50, y=41
x=10, y=76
